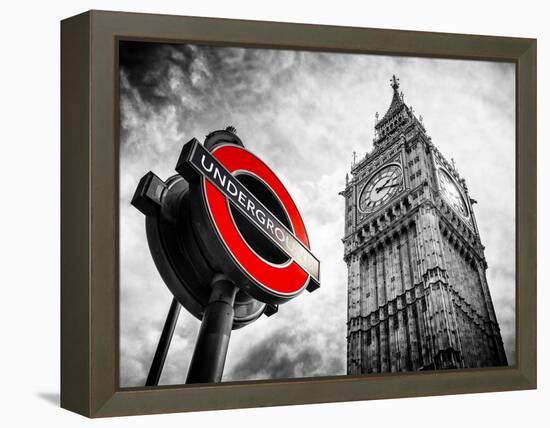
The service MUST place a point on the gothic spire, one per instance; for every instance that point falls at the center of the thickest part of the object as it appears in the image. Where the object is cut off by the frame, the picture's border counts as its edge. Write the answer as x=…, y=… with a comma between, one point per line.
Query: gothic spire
x=396, y=103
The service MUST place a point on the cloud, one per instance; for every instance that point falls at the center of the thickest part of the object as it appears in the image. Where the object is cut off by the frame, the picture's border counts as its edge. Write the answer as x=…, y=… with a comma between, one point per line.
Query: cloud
x=305, y=113
x=281, y=355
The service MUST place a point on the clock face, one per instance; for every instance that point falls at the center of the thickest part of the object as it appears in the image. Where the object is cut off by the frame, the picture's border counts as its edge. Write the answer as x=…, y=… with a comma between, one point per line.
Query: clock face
x=451, y=192
x=381, y=187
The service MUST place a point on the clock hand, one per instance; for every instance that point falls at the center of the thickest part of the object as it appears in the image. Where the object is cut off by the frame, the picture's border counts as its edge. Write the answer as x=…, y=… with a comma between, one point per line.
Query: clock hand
x=386, y=182
x=383, y=185
x=386, y=185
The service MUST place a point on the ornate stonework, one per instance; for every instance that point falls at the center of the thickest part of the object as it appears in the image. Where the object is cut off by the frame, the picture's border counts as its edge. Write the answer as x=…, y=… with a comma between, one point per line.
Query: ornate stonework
x=418, y=297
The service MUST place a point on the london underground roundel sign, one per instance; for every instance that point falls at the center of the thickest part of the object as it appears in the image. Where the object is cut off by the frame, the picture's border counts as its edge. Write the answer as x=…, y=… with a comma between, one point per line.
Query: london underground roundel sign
x=247, y=222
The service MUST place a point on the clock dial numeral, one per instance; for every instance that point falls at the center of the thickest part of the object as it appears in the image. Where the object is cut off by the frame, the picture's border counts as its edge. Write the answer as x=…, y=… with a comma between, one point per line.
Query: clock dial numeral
x=381, y=187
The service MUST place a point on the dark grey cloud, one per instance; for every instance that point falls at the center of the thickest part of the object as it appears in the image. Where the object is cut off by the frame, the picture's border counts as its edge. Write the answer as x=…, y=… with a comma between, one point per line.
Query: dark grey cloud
x=305, y=113
x=281, y=355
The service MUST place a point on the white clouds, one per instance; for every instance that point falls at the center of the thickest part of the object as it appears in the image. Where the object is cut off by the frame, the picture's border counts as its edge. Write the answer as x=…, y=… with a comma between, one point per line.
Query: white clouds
x=303, y=113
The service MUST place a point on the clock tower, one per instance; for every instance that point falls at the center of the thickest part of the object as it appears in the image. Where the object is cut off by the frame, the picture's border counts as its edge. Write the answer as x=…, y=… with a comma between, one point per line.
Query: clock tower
x=418, y=297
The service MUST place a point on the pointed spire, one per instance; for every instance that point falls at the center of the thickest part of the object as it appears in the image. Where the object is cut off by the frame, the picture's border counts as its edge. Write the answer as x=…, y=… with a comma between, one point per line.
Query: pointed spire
x=396, y=103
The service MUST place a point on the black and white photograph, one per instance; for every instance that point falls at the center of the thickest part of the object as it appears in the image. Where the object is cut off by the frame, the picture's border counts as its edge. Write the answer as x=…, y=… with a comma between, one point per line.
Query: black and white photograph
x=295, y=214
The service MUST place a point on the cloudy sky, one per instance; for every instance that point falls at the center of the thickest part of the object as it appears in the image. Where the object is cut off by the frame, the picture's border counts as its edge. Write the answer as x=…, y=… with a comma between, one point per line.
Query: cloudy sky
x=304, y=113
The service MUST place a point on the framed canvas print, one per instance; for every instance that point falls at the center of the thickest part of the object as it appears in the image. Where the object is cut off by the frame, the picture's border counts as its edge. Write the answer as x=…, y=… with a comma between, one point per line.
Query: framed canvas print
x=259, y=214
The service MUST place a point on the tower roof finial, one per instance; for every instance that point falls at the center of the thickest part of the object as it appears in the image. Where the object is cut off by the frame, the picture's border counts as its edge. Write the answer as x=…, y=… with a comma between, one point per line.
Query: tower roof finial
x=394, y=83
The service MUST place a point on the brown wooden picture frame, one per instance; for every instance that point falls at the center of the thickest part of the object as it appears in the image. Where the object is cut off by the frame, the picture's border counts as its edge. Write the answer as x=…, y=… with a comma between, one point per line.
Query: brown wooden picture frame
x=89, y=213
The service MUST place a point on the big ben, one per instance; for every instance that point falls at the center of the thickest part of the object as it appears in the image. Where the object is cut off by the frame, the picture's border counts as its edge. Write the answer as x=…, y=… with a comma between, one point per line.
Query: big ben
x=418, y=297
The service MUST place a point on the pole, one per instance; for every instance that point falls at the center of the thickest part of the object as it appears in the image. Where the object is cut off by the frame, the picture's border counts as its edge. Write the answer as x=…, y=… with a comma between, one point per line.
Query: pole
x=164, y=343
x=210, y=351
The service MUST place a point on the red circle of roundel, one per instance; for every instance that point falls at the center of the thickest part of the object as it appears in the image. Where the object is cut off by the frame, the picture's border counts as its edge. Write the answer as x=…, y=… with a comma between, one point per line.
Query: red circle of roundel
x=286, y=279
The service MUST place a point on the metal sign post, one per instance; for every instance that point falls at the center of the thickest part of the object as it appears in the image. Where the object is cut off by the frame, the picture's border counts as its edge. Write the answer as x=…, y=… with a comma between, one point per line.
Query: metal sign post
x=164, y=344
x=211, y=348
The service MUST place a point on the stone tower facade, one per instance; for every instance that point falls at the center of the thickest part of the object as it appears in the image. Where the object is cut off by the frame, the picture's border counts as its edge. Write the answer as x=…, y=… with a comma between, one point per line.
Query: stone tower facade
x=418, y=297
